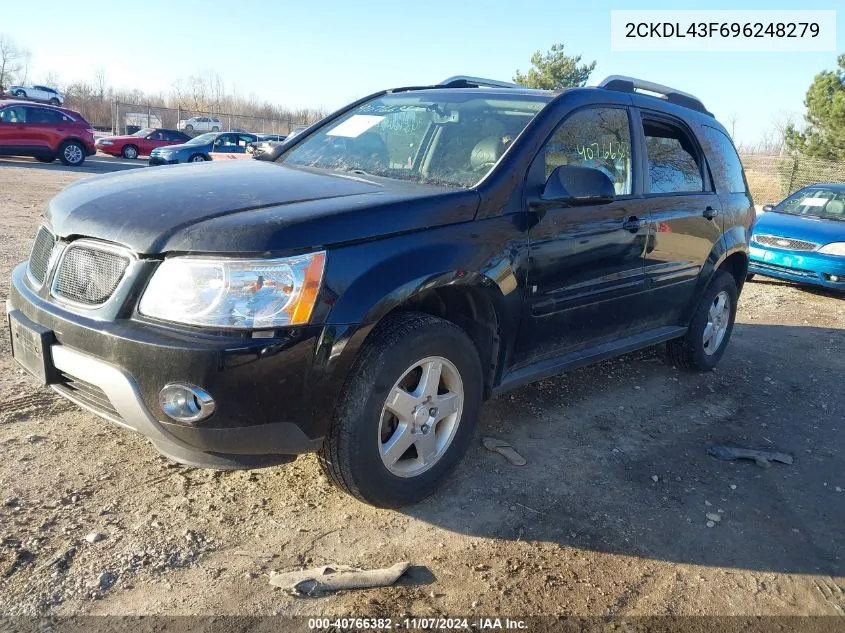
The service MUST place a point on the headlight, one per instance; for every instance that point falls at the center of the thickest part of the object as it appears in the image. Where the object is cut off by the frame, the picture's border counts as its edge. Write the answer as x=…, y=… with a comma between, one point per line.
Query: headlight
x=235, y=293
x=834, y=248
x=105, y=142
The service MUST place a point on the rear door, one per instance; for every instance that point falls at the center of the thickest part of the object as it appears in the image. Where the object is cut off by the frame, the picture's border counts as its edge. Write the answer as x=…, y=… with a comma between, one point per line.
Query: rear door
x=684, y=213
x=45, y=128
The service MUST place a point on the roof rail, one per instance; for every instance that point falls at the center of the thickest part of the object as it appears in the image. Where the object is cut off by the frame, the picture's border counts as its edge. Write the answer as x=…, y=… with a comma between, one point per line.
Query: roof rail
x=466, y=81
x=622, y=83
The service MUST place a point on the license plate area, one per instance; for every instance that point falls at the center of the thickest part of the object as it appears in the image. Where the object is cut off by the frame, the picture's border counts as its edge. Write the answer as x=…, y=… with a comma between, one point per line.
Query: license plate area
x=31, y=347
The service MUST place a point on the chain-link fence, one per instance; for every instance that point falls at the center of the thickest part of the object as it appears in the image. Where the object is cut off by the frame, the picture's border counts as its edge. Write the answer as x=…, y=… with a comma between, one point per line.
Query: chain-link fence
x=127, y=118
x=772, y=178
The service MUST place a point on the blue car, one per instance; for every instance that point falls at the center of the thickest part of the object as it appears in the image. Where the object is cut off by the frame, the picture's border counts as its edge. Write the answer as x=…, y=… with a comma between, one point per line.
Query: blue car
x=802, y=238
x=199, y=149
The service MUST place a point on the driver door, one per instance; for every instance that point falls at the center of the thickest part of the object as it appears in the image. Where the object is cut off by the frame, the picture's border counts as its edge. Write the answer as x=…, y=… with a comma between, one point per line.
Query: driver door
x=586, y=282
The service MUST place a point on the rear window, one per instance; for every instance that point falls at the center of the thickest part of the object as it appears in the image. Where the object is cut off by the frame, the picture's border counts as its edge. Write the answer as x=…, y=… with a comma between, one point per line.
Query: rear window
x=724, y=161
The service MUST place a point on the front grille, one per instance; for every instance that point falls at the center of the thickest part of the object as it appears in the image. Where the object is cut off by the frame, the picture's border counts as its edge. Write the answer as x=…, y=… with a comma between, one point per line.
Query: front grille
x=88, y=274
x=39, y=257
x=775, y=268
x=87, y=395
x=785, y=242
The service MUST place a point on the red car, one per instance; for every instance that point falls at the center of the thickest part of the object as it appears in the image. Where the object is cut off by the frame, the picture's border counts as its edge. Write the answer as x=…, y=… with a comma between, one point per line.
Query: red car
x=45, y=132
x=141, y=143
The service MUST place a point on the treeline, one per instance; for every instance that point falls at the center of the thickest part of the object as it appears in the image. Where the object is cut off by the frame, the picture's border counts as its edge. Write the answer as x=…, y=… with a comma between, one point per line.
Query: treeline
x=196, y=95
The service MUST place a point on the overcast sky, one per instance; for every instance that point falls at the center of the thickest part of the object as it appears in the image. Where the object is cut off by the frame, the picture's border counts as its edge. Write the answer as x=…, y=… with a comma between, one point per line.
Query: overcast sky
x=309, y=54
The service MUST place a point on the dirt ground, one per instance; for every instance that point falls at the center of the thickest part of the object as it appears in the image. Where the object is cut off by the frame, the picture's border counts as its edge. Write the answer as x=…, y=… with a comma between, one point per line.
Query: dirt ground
x=609, y=516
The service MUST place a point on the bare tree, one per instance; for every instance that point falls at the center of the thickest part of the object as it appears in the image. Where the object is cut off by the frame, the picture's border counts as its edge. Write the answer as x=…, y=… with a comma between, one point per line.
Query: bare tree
x=14, y=62
x=732, y=119
x=100, y=84
x=784, y=120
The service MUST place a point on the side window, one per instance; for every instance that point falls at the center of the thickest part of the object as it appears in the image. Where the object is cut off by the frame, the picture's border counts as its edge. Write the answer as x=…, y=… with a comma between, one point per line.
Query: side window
x=246, y=139
x=42, y=115
x=724, y=161
x=673, y=165
x=13, y=114
x=156, y=136
x=595, y=137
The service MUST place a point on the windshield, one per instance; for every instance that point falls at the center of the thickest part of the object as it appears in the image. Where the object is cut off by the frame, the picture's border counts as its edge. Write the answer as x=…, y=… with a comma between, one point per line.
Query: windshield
x=144, y=132
x=817, y=202
x=433, y=137
x=203, y=139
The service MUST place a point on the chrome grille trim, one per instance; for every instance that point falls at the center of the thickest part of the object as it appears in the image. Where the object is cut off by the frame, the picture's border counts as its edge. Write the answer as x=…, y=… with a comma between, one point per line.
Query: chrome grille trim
x=89, y=273
x=40, y=256
x=776, y=241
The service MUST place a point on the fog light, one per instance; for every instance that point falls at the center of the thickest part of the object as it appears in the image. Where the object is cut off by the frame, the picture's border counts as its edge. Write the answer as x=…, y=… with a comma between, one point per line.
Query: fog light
x=186, y=403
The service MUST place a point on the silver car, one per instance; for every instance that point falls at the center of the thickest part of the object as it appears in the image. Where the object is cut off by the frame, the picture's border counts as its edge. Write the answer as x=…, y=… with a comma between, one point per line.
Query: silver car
x=38, y=93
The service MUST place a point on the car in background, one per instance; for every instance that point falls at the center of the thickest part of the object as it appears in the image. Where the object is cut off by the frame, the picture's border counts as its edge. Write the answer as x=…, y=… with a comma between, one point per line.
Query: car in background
x=263, y=148
x=802, y=238
x=141, y=143
x=199, y=149
x=38, y=93
x=200, y=124
x=45, y=133
x=296, y=129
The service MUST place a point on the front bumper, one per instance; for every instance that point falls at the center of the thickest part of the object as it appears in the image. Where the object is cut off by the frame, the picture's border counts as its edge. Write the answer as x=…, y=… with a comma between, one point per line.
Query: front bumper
x=158, y=160
x=261, y=386
x=798, y=266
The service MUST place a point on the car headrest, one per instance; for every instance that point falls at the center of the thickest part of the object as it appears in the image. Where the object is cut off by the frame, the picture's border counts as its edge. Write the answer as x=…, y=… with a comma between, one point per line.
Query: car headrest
x=486, y=152
x=835, y=207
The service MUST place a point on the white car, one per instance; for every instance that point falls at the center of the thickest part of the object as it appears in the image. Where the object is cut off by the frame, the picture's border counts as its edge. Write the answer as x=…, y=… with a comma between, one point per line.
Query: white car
x=200, y=124
x=38, y=93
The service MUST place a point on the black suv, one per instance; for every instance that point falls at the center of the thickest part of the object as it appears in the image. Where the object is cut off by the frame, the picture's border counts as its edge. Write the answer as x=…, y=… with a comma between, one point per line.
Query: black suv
x=411, y=255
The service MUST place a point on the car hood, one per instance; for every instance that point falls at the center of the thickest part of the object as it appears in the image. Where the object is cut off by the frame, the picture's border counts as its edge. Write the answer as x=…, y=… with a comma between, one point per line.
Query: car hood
x=205, y=147
x=800, y=227
x=248, y=207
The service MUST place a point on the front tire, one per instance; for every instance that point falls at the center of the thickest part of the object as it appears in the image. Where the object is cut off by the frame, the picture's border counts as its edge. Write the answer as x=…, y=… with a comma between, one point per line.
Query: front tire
x=72, y=153
x=702, y=346
x=130, y=152
x=407, y=412
x=215, y=129
x=55, y=102
x=20, y=93
x=197, y=158
x=189, y=128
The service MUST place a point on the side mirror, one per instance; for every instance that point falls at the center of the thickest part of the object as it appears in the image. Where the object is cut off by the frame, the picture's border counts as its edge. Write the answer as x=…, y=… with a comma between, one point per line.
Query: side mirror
x=570, y=185
x=768, y=207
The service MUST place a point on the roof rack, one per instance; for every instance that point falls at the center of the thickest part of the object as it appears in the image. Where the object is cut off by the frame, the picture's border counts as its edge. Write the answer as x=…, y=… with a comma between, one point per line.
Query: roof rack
x=466, y=81
x=621, y=83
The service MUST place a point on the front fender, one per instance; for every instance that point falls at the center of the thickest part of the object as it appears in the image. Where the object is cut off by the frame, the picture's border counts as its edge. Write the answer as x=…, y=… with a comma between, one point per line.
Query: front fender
x=365, y=282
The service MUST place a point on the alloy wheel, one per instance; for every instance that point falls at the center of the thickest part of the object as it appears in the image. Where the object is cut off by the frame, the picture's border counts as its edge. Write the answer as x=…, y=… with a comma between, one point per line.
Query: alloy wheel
x=420, y=416
x=73, y=154
x=718, y=320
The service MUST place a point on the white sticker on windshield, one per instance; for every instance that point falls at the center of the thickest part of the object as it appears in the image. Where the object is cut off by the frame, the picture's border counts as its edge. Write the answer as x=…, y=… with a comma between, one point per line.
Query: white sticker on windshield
x=813, y=202
x=356, y=125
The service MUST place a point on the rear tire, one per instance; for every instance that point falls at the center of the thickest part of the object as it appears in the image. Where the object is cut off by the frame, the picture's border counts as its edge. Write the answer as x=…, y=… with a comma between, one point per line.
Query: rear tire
x=404, y=348
x=72, y=153
x=45, y=159
x=130, y=152
x=55, y=102
x=749, y=277
x=20, y=93
x=197, y=158
x=189, y=128
x=215, y=129
x=695, y=350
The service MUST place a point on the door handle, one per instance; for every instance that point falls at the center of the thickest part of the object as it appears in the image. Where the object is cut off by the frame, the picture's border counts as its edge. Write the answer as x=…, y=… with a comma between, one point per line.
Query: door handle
x=633, y=224
x=710, y=213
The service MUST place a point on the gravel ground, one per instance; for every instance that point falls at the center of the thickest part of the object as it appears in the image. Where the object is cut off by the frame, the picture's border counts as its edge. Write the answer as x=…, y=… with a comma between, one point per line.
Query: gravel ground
x=609, y=517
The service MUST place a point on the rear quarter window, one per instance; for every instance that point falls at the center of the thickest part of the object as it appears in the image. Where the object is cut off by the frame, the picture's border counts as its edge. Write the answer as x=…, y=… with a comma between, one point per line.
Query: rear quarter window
x=724, y=161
